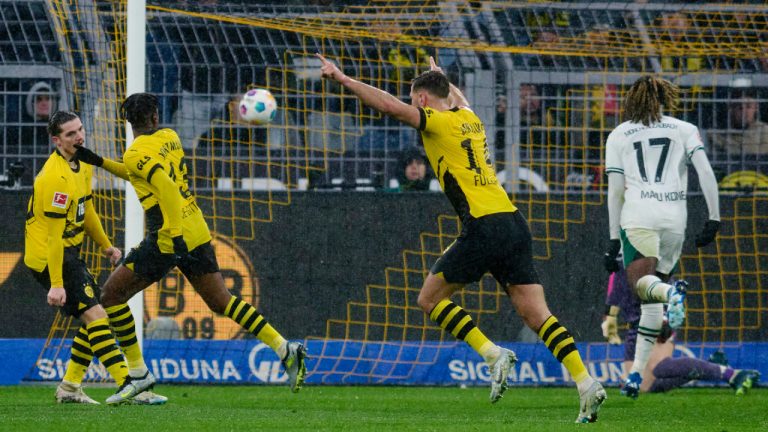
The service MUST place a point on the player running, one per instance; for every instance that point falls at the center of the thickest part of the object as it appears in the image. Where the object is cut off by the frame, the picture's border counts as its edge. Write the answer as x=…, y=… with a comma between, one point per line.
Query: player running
x=646, y=163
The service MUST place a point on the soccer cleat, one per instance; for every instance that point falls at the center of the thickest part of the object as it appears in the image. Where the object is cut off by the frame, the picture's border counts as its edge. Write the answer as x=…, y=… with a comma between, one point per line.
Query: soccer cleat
x=130, y=388
x=676, y=305
x=71, y=393
x=718, y=357
x=148, y=397
x=743, y=380
x=590, y=402
x=631, y=386
x=499, y=373
x=294, y=365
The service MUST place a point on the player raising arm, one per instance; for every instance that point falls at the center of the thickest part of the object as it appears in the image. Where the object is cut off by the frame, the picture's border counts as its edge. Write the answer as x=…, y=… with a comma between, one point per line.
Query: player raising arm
x=646, y=163
x=176, y=236
x=495, y=236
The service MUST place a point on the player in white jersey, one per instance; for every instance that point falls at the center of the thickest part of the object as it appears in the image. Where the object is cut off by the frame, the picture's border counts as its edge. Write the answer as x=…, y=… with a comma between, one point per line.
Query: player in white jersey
x=647, y=167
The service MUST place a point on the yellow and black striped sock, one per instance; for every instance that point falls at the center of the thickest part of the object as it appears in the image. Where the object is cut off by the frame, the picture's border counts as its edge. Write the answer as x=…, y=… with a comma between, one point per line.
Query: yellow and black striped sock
x=121, y=320
x=250, y=319
x=80, y=358
x=104, y=347
x=561, y=344
x=456, y=321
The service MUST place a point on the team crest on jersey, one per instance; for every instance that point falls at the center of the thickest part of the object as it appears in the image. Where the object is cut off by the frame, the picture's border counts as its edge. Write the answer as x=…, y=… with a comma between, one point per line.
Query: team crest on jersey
x=60, y=200
x=89, y=291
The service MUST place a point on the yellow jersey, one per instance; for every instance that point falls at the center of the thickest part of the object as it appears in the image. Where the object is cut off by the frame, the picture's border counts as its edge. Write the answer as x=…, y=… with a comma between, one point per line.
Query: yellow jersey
x=162, y=151
x=59, y=192
x=457, y=149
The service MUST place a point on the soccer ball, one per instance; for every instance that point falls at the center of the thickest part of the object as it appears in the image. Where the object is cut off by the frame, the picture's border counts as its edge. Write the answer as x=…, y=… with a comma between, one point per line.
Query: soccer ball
x=258, y=106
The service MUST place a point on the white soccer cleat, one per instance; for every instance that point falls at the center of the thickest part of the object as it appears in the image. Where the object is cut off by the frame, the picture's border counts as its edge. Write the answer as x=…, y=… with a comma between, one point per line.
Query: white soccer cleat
x=590, y=402
x=148, y=397
x=130, y=388
x=499, y=373
x=676, y=305
x=295, y=366
x=71, y=393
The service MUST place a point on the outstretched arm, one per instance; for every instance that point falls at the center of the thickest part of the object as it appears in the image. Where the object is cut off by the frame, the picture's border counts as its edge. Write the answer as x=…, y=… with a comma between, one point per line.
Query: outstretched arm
x=455, y=96
x=88, y=156
x=377, y=99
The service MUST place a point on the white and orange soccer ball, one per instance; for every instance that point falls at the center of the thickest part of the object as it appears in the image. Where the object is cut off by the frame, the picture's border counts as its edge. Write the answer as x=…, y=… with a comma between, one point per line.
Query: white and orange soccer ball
x=258, y=106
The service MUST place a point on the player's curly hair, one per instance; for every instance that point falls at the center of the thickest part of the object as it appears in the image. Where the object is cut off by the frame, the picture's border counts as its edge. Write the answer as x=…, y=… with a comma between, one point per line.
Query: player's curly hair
x=647, y=96
x=59, y=118
x=434, y=82
x=139, y=109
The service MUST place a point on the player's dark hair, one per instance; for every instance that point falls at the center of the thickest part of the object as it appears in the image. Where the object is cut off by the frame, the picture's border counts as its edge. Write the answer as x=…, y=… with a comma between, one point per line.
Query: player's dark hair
x=647, y=96
x=434, y=82
x=59, y=118
x=140, y=109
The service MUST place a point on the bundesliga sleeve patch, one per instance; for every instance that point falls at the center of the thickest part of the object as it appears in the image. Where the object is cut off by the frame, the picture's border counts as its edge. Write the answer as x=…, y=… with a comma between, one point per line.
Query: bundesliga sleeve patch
x=60, y=200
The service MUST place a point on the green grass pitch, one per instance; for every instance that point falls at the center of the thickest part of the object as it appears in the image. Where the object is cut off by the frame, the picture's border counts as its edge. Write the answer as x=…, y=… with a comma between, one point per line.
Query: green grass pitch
x=325, y=408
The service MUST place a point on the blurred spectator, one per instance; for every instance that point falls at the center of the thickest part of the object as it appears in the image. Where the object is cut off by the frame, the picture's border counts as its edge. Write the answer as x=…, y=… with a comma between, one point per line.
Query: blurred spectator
x=674, y=28
x=412, y=172
x=745, y=140
x=27, y=137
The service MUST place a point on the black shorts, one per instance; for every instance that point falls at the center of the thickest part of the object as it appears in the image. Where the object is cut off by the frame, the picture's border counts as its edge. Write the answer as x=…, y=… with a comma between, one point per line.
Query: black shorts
x=499, y=243
x=82, y=290
x=148, y=262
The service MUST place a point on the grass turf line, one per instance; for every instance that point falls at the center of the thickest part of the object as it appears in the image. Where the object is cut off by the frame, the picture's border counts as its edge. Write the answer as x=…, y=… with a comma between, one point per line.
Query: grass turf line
x=325, y=408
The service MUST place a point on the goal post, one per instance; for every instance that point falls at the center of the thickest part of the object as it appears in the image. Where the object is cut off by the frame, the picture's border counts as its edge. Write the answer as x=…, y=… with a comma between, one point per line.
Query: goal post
x=135, y=83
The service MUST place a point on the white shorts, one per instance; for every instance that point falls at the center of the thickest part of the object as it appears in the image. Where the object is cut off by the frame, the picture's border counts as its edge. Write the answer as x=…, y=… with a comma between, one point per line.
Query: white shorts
x=665, y=246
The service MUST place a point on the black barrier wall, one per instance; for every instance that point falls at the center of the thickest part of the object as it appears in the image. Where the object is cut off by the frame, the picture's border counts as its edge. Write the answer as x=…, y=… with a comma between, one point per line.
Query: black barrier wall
x=321, y=251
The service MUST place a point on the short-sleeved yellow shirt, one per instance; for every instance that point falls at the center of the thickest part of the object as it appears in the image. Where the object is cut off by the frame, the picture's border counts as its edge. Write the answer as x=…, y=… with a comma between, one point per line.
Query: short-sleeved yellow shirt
x=162, y=151
x=457, y=149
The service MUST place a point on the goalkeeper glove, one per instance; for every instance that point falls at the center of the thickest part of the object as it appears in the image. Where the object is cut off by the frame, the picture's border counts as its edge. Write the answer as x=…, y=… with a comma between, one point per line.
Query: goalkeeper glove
x=87, y=156
x=609, y=259
x=611, y=330
x=707, y=235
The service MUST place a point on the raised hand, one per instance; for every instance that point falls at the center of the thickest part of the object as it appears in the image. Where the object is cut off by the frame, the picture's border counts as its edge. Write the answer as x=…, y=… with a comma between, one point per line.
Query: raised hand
x=329, y=70
x=433, y=66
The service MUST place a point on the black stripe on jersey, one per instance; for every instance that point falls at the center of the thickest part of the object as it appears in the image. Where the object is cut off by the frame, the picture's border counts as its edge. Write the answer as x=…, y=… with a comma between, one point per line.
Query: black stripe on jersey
x=55, y=215
x=87, y=197
x=422, y=119
x=456, y=196
x=152, y=172
x=73, y=232
x=145, y=197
